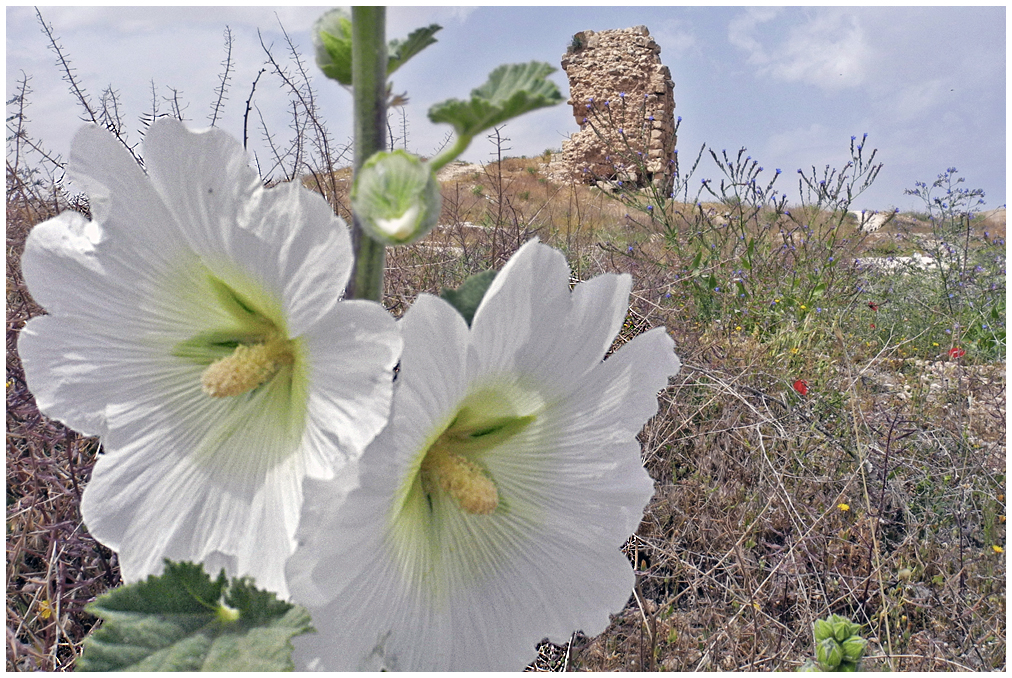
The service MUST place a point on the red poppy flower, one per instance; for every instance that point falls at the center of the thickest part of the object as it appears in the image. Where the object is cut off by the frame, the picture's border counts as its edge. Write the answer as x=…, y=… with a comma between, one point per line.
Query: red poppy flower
x=873, y=325
x=801, y=386
x=872, y=305
x=956, y=352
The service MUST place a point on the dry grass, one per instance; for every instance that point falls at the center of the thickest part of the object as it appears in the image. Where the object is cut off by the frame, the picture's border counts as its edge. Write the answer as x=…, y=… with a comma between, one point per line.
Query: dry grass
x=745, y=543
x=54, y=568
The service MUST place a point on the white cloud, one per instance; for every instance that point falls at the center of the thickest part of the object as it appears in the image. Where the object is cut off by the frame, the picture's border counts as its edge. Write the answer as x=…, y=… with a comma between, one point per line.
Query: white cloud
x=741, y=27
x=401, y=20
x=827, y=48
x=800, y=141
x=675, y=37
x=915, y=99
x=795, y=148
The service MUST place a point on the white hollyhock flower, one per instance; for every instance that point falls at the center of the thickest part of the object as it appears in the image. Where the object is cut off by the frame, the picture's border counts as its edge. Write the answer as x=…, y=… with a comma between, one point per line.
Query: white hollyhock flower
x=491, y=510
x=194, y=325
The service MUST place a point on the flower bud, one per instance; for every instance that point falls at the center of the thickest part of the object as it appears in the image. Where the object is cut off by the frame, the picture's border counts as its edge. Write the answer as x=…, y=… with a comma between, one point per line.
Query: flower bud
x=847, y=666
x=331, y=36
x=829, y=653
x=853, y=648
x=396, y=197
x=842, y=628
x=822, y=630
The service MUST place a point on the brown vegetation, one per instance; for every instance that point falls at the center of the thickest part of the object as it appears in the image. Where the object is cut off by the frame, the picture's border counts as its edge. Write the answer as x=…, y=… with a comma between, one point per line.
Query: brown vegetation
x=879, y=495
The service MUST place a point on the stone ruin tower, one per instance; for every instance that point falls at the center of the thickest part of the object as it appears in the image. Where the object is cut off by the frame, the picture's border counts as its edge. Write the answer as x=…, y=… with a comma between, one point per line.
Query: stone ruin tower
x=617, y=82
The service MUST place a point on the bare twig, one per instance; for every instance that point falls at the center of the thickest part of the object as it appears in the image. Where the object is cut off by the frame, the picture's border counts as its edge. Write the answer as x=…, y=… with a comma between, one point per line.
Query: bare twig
x=222, y=87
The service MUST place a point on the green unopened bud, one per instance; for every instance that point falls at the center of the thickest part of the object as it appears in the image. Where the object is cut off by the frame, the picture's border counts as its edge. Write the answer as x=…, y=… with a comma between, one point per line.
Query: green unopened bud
x=829, y=653
x=842, y=628
x=332, y=40
x=853, y=648
x=822, y=630
x=847, y=666
x=396, y=197
x=809, y=667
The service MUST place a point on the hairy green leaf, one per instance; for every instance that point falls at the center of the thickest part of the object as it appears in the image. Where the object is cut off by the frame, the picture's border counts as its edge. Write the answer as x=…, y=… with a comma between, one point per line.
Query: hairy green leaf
x=511, y=90
x=399, y=51
x=183, y=620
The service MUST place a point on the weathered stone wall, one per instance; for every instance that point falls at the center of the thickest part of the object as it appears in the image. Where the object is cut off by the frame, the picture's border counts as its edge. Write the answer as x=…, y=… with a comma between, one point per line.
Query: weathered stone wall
x=623, y=101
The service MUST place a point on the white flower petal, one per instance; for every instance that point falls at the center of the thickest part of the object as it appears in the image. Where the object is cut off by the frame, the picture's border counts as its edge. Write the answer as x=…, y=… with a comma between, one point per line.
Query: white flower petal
x=118, y=191
x=174, y=272
x=446, y=589
x=537, y=310
x=88, y=296
x=353, y=397
x=206, y=182
x=512, y=317
x=172, y=508
x=208, y=185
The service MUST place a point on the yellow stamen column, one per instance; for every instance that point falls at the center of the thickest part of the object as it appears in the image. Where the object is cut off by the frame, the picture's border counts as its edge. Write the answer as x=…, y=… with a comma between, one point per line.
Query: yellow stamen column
x=461, y=479
x=248, y=367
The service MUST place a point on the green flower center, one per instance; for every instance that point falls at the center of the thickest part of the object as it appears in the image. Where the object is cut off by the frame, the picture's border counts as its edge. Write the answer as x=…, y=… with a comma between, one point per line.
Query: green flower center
x=237, y=357
x=249, y=366
x=467, y=490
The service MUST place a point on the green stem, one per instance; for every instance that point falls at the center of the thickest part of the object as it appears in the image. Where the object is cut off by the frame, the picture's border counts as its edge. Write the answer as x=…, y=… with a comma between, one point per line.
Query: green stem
x=459, y=146
x=368, y=72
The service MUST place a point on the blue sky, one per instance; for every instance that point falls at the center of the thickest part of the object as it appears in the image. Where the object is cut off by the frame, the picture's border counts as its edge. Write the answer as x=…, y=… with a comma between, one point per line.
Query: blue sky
x=928, y=85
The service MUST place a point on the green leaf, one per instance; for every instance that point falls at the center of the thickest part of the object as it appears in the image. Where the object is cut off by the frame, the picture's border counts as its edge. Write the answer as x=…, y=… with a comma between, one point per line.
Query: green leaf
x=183, y=620
x=749, y=252
x=399, y=51
x=467, y=297
x=696, y=261
x=511, y=90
